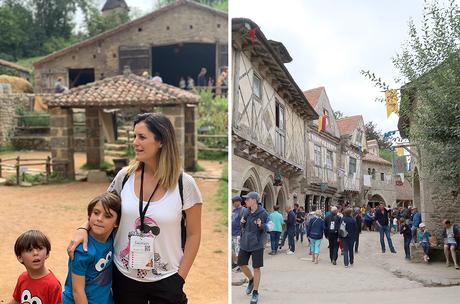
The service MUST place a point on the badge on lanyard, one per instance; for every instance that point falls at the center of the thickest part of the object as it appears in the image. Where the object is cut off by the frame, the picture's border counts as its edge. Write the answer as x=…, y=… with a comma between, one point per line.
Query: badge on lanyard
x=141, y=249
x=141, y=252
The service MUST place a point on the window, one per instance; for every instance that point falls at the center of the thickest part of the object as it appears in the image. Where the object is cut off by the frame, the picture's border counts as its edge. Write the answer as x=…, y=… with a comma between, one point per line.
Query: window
x=280, y=129
x=352, y=166
x=318, y=155
x=257, y=86
x=329, y=160
x=359, y=136
x=326, y=117
x=373, y=173
x=382, y=177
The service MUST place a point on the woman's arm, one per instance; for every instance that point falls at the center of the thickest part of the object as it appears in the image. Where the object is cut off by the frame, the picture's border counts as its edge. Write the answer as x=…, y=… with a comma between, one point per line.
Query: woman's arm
x=80, y=236
x=193, y=240
x=78, y=289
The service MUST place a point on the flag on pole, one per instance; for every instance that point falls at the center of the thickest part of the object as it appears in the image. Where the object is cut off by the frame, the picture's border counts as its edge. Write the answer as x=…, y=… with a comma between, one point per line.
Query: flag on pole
x=322, y=123
x=391, y=98
x=252, y=35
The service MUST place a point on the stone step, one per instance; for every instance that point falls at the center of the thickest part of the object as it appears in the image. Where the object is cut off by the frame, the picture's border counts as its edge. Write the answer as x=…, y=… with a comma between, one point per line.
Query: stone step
x=115, y=147
x=114, y=153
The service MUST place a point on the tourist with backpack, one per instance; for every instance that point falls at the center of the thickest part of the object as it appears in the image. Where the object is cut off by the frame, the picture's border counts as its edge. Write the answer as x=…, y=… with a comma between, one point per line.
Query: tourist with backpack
x=277, y=219
x=161, y=218
x=237, y=214
x=347, y=233
x=315, y=233
x=331, y=232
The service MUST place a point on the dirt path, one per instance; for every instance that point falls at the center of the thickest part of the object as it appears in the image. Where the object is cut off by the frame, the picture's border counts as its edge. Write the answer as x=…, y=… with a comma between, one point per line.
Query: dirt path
x=58, y=209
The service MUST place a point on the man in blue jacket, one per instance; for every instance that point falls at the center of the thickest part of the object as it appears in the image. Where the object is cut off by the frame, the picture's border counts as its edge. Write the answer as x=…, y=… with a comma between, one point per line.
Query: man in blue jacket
x=290, y=227
x=416, y=220
x=252, y=242
x=382, y=221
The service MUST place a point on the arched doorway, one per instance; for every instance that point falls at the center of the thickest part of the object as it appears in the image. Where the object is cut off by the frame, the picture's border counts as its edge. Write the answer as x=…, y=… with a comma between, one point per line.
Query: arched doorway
x=375, y=200
x=281, y=200
x=267, y=198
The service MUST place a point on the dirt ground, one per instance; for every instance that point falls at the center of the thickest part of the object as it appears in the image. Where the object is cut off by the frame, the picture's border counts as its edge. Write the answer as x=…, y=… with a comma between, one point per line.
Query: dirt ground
x=58, y=209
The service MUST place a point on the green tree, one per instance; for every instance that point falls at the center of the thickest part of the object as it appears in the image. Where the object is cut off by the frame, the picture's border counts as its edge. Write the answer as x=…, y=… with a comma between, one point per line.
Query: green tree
x=373, y=133
x=16, y=23
x=338, y=115
x=429, y=63
x=96, y=23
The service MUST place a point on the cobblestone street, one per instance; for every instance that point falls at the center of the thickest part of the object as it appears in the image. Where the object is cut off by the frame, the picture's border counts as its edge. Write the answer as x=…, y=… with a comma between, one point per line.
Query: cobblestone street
x=375, y=278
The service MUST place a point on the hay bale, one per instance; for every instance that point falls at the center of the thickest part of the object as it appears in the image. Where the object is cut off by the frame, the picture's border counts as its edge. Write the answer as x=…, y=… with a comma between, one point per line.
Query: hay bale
x=18, y=85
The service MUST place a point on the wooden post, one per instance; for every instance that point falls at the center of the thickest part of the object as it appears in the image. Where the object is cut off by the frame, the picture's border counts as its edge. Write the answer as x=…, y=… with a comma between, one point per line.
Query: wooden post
x=17, y=170
x=0, y=167
x=48, y=169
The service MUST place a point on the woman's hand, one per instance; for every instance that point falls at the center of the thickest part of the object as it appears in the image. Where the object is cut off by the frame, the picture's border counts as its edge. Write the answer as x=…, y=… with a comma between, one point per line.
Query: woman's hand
x=80, y=236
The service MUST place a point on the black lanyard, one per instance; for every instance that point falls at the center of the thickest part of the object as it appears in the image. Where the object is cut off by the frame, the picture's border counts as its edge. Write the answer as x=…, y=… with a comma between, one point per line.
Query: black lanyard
x=141, y=201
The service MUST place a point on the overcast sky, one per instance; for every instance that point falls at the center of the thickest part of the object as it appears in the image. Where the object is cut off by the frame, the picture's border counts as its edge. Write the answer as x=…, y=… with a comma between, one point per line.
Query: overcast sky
x=330, y=41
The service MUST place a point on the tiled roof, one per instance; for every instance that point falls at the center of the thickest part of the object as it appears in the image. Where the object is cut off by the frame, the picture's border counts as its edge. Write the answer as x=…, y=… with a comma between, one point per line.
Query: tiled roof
x=127, y=26
x=369, y=157
x=14, y=66
x=348, y=124
x=117, y=91
x=404, y=192
x=313, y=95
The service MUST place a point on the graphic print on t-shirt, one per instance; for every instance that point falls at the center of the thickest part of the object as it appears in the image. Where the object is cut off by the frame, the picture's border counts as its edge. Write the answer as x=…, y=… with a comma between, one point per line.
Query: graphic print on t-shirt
x=153, y=230
x=26, y=297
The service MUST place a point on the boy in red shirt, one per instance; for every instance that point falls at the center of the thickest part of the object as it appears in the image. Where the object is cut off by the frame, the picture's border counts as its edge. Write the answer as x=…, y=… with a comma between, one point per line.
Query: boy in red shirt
x=37, y=284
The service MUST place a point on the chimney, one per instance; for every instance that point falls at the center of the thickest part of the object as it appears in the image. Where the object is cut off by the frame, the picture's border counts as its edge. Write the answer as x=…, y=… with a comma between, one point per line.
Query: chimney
x=373, y=147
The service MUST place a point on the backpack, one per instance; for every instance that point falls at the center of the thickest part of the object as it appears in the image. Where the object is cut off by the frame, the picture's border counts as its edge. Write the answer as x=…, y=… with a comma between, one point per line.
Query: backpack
x=332, y=224
x=183, y=226
x=343, y=229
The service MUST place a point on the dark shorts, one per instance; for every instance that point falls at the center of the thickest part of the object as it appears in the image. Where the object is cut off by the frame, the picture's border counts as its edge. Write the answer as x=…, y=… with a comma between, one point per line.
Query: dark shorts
x=166, y=291
x=450, y=245
x=257, y=258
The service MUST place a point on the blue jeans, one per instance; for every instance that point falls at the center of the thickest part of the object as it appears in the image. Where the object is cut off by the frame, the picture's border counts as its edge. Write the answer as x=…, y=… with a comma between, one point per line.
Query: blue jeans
x=386, y=230
x=291, y=241
x=407, y=240
x=274, y=239
x=299, y=230
x=426, y=247
x=348, y=254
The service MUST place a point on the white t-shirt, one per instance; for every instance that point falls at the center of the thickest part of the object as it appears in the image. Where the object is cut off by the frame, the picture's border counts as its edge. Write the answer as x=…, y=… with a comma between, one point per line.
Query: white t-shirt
x=450, y=235
x=166, y=214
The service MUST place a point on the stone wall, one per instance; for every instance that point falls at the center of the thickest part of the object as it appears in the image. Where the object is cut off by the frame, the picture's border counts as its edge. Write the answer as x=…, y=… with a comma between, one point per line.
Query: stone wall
x=184, y=24
x=8, y=105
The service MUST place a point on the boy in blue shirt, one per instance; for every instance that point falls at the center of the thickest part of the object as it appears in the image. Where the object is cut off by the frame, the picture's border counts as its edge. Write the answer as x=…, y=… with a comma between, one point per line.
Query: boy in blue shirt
x=89, y=279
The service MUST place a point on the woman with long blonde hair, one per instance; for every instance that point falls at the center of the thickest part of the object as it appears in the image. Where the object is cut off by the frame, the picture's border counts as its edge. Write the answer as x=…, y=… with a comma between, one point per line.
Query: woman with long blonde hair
x=153, y=248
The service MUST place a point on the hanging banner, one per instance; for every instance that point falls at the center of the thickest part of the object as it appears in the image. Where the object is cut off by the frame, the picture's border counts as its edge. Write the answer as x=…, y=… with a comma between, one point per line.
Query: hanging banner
x=400, y=164
x=391, y=98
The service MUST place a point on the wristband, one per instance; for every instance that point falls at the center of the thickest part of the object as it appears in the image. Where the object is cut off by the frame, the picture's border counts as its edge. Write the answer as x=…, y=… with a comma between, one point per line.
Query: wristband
x=87, y=230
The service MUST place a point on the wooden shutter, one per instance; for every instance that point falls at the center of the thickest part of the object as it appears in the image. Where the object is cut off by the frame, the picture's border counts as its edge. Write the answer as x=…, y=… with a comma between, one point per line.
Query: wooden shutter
x=138, y=58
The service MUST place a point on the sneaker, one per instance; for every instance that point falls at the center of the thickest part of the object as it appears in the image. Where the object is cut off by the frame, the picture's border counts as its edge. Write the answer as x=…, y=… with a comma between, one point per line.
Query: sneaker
x=334, y=263
x=290, y=252
x=271, y=253
x=236, y=269
x=393, y=251
x=346, y=266
x=456, y=267
x=254, y=298
x=447, y=264
x=250, y=287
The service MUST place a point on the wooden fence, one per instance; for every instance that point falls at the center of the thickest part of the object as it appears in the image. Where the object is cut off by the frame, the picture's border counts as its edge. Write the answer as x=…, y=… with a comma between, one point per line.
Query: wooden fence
x=19, y=163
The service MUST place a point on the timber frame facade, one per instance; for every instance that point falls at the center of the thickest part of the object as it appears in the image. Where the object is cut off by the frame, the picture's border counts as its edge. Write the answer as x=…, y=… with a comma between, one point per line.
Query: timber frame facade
x=269, y=122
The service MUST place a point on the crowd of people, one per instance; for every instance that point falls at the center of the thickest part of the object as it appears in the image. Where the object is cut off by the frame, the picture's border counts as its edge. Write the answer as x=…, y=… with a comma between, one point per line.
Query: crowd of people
x=342, y=225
